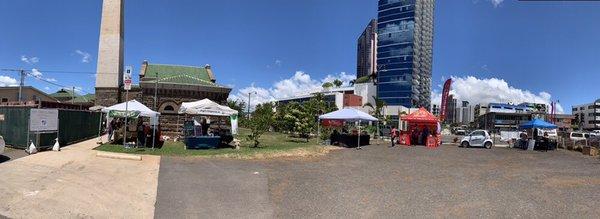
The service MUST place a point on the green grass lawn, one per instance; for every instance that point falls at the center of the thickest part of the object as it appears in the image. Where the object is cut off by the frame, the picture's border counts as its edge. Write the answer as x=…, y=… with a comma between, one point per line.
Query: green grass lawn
x=272, y=144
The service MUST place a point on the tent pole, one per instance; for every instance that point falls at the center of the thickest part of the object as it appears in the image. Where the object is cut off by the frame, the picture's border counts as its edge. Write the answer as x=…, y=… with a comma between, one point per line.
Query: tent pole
x=358, y=146
x=319, y=131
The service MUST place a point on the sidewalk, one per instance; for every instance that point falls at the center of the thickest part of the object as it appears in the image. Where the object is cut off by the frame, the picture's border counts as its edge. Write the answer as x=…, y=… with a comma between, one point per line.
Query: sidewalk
x=76, y=183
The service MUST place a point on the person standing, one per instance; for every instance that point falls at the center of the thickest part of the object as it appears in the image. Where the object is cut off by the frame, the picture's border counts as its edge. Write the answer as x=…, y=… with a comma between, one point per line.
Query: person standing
x=111, y=129
x=141, y=135
x=394, y=135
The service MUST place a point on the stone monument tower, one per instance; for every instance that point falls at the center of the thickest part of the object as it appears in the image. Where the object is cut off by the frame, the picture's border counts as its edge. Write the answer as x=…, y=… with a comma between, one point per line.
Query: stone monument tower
x=109, y=73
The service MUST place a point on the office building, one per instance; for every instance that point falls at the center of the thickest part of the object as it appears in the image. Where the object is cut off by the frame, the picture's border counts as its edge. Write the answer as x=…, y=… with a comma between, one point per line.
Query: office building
x=405, y=52
x=366, y=57
x=464, y=113
x=435, y=109
x=587, y=116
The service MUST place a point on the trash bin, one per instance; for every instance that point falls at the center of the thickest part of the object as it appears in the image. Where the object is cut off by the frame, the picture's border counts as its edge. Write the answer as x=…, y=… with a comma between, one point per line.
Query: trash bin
x=531, y=145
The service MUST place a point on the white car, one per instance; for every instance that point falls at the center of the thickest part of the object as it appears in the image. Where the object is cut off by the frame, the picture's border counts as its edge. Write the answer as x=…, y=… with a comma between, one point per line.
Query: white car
x=577, y=136
x=477, y=138
x=2, y=144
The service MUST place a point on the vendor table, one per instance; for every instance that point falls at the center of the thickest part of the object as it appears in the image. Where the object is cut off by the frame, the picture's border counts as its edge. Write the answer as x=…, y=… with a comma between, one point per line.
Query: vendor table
x=348, y=140
x=202, y=142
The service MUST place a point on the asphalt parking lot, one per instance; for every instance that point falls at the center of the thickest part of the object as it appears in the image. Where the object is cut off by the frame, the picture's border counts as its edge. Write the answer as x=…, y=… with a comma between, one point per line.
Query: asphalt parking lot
x=385, y=182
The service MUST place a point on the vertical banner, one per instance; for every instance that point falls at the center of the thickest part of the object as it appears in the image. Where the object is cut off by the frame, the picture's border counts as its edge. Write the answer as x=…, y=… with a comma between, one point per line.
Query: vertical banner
x=234, y=124
x=445, y=93
x=127, y=78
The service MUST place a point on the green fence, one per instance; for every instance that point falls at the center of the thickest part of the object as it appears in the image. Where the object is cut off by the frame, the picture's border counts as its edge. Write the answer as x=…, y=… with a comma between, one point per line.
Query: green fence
x=73, y=125
x=14, y=126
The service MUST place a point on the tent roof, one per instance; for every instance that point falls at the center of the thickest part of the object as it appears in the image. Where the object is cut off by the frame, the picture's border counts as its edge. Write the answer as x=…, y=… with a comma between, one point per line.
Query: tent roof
x=422, y=116
x=348, y=114
x=537, y=123
x=133, y=105
x=206, y=107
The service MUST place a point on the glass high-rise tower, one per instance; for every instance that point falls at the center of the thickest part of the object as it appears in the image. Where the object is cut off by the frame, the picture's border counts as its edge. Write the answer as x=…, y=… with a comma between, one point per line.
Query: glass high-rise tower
x=405, y=52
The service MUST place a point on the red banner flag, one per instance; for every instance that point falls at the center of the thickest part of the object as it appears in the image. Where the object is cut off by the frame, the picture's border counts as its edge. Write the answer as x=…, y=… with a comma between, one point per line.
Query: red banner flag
x=445, y=93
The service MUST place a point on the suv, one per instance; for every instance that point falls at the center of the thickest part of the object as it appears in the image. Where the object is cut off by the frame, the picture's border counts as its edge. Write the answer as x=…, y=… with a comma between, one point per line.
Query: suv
x=477, y=138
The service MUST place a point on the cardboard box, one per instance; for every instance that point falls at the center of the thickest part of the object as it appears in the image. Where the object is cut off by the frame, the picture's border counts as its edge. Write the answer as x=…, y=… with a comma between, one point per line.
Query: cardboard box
x=591, y=151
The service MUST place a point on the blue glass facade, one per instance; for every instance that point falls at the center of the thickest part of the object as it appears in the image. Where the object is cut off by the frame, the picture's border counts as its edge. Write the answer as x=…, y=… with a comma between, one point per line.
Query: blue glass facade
x=404, y=51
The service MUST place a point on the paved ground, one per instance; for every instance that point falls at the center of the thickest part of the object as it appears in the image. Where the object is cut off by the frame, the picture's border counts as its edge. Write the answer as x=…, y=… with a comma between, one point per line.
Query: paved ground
x=74, y=183
x=385, y=182
x=11, y=154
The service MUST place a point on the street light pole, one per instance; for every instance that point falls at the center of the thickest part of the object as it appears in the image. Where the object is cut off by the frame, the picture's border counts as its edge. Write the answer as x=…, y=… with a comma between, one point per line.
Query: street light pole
x=249, y=94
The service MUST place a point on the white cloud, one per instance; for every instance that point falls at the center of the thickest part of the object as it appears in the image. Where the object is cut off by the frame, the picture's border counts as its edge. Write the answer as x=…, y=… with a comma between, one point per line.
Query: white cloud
x=277, y=63
x=85, y=56
x=300, y=83
x=46, y=88
x=496, y=3
x=36, y=73
x=29, y=60
x=492, y=90
x=51, y=79
x=6, y=81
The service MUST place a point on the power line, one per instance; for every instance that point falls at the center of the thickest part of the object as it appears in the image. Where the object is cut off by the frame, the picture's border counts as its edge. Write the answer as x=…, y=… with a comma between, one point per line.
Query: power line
x=64, y=72
x=42, y=79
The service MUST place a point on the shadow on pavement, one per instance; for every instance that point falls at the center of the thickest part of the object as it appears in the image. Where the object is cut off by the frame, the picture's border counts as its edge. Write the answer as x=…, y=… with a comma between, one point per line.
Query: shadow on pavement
x=2, y=160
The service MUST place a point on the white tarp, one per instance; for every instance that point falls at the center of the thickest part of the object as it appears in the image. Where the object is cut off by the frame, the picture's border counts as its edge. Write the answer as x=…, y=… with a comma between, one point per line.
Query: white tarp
x=133, y=105
x=348, y=114
x=206, y=107
x=506, y=135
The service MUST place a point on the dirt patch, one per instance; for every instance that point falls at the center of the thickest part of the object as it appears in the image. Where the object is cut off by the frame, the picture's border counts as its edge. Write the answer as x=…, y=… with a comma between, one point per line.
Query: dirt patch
x=563, y=182
x=295, y=153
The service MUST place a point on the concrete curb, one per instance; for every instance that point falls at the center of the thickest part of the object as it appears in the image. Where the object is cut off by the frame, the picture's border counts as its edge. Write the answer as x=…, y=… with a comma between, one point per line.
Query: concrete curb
x=119, y=156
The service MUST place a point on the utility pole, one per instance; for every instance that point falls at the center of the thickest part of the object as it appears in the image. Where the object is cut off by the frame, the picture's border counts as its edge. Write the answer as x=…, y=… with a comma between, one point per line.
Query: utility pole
x=248, y=115
x=21, y=85
x=73, y=95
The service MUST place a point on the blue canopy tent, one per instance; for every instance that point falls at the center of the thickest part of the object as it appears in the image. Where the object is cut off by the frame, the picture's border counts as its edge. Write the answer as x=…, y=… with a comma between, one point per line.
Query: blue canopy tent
x=537, y=123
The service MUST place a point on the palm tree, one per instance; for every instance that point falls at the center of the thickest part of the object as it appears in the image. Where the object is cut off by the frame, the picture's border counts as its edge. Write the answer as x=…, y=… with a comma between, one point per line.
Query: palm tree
x=377, y=109
x=327, y=85
x=337, y=83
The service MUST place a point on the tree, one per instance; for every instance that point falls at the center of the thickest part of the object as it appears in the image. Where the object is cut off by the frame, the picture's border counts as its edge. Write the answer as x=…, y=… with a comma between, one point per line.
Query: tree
x=260, y=122
x=337, y=83
x=327, y=85
x=378, y=108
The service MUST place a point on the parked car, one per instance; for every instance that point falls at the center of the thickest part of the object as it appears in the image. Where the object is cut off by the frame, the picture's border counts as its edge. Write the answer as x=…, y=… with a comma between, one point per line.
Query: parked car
x=2, y=144
x=477, y=138
x=577, y=136
x=552, y=134
x=460, y=132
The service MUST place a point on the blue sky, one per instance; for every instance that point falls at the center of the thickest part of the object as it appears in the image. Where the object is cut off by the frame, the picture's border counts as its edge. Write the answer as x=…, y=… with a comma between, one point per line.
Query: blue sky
x=536, y=49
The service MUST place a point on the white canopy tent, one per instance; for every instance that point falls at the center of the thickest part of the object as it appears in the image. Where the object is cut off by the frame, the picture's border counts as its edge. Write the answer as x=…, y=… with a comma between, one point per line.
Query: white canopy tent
x=132, y=105
x=206, y=107
x=347, y=114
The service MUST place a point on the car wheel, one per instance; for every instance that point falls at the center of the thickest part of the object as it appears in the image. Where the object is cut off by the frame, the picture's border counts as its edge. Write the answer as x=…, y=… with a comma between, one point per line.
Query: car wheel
x=464, y=144
x=488, y=145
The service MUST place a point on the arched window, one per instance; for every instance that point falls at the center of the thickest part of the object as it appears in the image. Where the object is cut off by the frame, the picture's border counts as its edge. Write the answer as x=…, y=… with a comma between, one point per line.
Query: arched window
x=169, y=108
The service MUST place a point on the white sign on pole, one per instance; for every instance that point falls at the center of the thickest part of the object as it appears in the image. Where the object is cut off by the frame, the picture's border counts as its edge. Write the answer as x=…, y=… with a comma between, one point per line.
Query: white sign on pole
x=43, y=120
x=127, y=77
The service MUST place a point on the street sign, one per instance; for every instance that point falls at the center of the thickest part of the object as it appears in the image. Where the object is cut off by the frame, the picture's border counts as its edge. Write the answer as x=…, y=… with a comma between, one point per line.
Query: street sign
x=127, y=77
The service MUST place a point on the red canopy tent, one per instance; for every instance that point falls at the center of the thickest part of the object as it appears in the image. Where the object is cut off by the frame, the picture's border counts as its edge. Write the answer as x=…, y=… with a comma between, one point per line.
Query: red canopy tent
x=421, y=116
x=420, y=120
